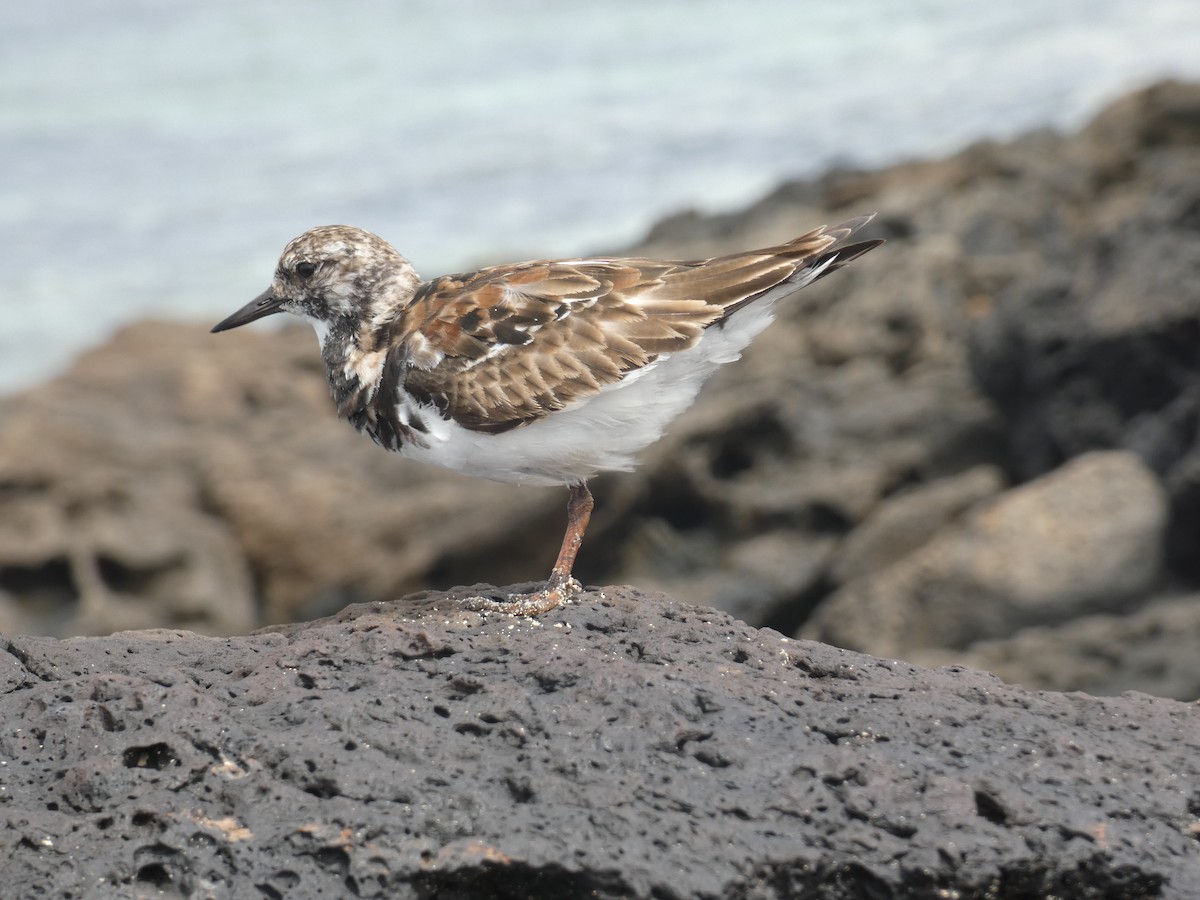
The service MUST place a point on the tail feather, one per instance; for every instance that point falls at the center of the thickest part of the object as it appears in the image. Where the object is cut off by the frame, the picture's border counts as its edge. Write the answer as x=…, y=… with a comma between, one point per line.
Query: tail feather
x=810, y=266
x=839, y=254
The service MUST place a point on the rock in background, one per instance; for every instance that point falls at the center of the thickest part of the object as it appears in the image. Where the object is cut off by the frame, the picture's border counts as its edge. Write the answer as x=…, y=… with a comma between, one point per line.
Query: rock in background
x=1085, y=538
x=975, y=443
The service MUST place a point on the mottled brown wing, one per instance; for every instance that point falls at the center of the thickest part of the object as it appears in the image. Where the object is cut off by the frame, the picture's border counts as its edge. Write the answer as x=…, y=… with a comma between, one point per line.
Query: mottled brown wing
x=578, y=325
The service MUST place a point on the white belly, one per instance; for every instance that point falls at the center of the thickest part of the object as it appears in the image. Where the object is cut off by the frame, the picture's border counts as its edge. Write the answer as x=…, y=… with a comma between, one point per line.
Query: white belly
x=602, y=433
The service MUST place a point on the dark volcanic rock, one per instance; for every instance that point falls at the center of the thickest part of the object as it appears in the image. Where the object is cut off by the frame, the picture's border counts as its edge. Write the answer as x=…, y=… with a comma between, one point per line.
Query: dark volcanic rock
x=629, y=746
x=1099, y=347
x=1152, y=650
x=1086, y=538
x=904, y=522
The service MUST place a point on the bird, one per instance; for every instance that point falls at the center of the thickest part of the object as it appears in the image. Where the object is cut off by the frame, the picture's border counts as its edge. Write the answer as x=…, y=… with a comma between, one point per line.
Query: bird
x=545, y=372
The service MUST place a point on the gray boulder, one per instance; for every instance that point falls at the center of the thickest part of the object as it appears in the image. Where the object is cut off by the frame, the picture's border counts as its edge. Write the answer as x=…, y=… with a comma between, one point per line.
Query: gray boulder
x=1086, y=538
x=1152, y=650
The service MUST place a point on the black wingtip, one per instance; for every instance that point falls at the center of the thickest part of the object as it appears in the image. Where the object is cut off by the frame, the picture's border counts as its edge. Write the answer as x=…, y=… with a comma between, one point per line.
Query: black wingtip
x=853, y=251
x=834, y=259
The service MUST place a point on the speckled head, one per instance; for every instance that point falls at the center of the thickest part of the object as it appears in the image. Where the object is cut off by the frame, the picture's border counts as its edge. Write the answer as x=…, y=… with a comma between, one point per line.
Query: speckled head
x=331, y=273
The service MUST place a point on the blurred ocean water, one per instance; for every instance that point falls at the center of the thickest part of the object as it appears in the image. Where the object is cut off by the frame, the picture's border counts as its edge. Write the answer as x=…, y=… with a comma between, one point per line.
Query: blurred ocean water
x=157, y=156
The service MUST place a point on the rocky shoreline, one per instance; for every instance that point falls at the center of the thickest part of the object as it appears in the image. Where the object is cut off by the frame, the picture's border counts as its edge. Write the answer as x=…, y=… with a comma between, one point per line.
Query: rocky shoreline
x=980, y=445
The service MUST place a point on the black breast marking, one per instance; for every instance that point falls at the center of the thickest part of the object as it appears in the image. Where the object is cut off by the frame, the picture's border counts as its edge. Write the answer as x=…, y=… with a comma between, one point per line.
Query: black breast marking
x=389, y=427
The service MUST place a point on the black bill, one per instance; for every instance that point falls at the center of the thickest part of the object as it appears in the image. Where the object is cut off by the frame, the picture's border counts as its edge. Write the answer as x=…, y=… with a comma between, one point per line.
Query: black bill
x=265, y=304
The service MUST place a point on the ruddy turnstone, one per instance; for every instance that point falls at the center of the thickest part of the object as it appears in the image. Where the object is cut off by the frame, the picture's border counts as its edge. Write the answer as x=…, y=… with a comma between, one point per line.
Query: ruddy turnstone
x=538, y=372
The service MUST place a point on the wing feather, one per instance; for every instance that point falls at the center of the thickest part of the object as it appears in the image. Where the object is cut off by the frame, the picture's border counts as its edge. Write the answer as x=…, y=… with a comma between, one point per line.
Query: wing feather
x=578, y=324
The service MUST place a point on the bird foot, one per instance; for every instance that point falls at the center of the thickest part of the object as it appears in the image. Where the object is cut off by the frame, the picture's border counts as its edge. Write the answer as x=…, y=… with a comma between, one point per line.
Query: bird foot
x=533, y=604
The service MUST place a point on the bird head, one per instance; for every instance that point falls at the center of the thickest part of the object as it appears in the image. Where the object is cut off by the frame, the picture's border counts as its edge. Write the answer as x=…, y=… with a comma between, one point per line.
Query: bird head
x=332, y=274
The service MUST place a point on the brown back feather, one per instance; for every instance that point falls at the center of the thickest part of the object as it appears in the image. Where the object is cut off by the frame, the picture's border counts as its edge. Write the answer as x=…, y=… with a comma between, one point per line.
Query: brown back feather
x=582, y=324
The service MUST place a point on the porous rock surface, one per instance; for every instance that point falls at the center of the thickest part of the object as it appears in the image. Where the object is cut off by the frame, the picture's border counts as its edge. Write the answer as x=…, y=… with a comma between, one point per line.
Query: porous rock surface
x=625, y=746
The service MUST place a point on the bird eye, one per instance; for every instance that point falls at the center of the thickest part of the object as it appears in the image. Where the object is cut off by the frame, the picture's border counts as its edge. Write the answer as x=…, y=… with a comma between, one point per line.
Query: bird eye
x=305, y=269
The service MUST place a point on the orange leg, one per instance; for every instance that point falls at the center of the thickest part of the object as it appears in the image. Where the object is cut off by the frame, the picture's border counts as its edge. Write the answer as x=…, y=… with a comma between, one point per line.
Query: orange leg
x=579, y=513
x=561, y=585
